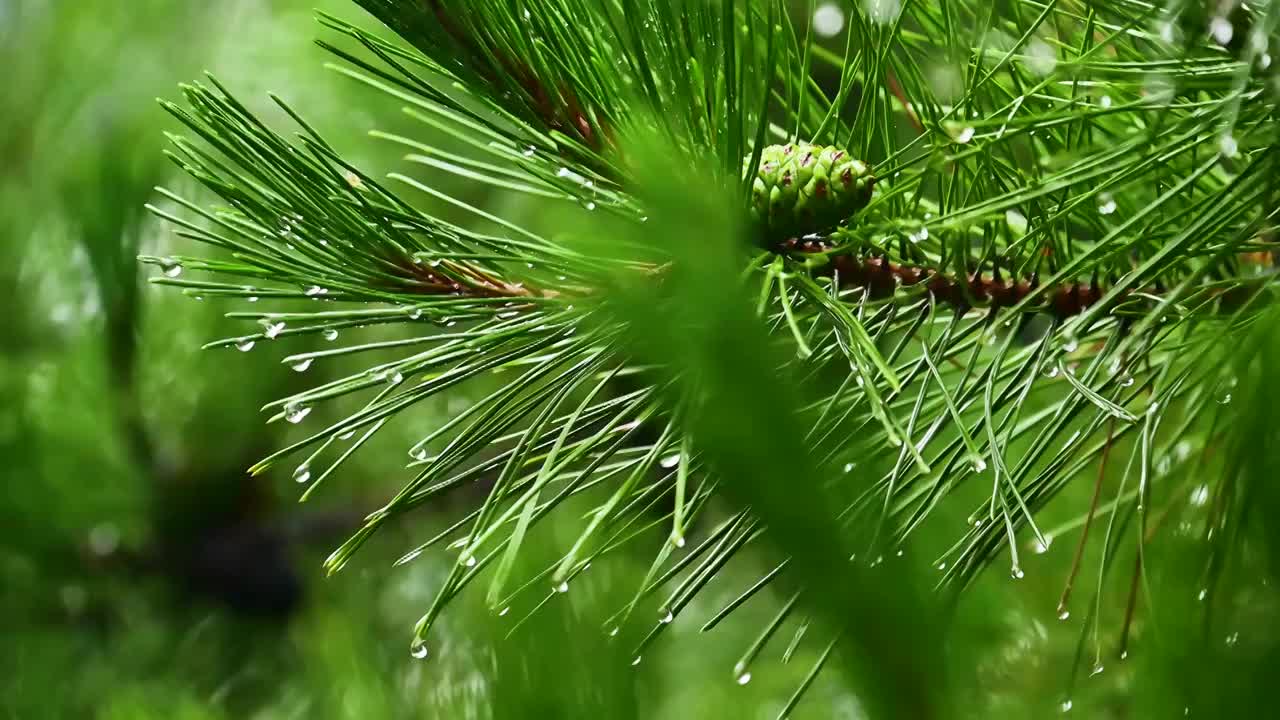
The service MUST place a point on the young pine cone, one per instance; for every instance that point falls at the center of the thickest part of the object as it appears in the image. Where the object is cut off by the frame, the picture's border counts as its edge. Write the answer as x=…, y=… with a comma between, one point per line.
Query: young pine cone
x=801, y=189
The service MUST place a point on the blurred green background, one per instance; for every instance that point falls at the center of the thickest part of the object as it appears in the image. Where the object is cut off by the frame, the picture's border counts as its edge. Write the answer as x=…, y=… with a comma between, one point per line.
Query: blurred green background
x=144, y=574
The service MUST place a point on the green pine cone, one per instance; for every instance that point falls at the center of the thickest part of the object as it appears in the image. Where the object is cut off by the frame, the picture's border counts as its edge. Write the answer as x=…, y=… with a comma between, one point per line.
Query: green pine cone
x=801, y=189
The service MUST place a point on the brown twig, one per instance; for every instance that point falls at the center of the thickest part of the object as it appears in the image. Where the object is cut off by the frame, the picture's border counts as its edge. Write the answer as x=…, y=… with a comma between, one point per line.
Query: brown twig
x=882, y=277
x=896, y=88
x=1088, y=522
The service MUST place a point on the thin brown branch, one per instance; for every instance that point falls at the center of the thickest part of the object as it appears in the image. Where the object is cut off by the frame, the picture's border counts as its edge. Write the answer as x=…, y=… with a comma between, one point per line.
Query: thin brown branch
x=1088, y=522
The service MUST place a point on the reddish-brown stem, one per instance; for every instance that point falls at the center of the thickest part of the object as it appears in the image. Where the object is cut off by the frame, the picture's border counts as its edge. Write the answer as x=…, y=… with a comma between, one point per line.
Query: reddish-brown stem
x=896, y=88
x=1130, y=606
x=882, y=277
x=1088, y=521
x=567, y=117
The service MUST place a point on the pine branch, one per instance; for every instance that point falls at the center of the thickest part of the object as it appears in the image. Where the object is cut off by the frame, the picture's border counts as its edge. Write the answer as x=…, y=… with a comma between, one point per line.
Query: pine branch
x=1054, y=242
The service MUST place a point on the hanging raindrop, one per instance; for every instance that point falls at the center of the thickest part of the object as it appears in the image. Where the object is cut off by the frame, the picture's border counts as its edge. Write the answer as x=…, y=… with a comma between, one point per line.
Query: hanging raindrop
x=302, y=365
x=273, y=329
x=244, y=344
x=418, y=650
x=171, y=267
x=296, y=413
x=329, y=334
x=302, y=474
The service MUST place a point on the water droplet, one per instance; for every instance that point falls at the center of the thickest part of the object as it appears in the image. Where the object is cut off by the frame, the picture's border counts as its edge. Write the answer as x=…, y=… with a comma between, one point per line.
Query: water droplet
x=1063, y=612
x=1051, y=371
x=1200, y=495
x=1126, y=381
x=636, y=661
x=296, y=413
x=744, y=678
x=273, y=329
x=1065, y=706
x=396, y=378
x=468, y=560
x=529, y=151
x=670, y=461
x=1040, y=57
x=1227, y=145
x=418, y=650
x=613, y=632
x=418, y=454
x=849, y=466
x=104, y=539
x=347, y=435
x=171, y=267
x=1016, y=573
x=882, y=12
x=316, y=290
x=302, y=365
x=563, y=587
x=1097, y=670
x=252, y=298
x=665, y=616
x=1222, y=30
x=678, y=540
x=302, y=473
x=1225, y=399
x=415, y=313
x=329, y=334
x=942, y=566
x=1042, y=547
x=1106, y=204
x=828, y=19
x=503, y=612
x=1124, y=654
x=1201, y=595
x=964, y=135
x=590, y=205
x=978, y=464
x=244, y=344
x=1232, y=639
x=1105, y=101
x=1016, y=221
